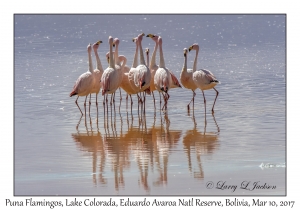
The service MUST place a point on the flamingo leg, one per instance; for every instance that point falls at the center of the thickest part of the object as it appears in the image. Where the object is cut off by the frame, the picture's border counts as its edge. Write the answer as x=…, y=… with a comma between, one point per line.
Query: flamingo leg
x=139, y=98
x=104, y=106
x=131, y=100
x=160, y=101
x=167, y=98
x=138, y=102
x=90, y=103
x=85, y=104
x=78, y=106
x=194, y=94
x=111, y=98
x=97, y=105
x=97, y=99
x=160, y=97
x=126, y=101
x=107, y=105
x=131, y=103
x=217, y=93
x=153, y=100
x=144, y=101
x=204, y=100
x=120, y=94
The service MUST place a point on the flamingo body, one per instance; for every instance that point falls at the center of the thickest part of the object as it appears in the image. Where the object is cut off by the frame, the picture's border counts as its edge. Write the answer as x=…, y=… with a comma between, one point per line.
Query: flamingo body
x=162, y=80
x=83, y=85
x=204, y=79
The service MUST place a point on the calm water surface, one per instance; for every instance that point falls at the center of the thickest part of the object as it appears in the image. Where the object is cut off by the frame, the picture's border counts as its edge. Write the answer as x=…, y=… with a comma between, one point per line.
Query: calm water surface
x=56, y=152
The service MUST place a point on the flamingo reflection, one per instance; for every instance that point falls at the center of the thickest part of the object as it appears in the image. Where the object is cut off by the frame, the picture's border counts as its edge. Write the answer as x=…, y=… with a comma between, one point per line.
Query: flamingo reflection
x=146, y=148
x=199, y=143
x=92, y=142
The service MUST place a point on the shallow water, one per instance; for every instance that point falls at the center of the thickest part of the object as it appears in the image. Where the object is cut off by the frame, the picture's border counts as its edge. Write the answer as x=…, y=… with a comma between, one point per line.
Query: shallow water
x=122, y=152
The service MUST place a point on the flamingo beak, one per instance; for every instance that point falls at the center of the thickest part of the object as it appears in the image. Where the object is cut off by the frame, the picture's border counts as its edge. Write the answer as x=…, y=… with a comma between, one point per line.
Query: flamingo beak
x=190, y=48
x=150, y=35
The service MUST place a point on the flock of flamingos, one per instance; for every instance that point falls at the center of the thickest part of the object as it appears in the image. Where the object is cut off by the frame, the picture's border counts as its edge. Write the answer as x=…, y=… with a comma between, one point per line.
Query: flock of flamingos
x=141, y=78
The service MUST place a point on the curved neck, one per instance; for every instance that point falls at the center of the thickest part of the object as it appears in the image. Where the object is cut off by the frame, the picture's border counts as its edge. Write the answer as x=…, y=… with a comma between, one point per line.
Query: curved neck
x=91, y=69
x=147, y=59
x=122, y=59
x=117, y=61
x=135, y=59
x=153, y=58
x=195, y=60
x=142, y=59
x=99, y=66
x=111, y=57
x=161, y=57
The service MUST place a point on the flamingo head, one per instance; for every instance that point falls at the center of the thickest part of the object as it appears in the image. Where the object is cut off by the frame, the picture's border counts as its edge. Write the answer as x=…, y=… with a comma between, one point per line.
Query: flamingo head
x=107, y=57
x=89, y=48
x=96, y=45
x=147, y=51
x=110, y=40
x=153, y=37
x=185, y=51
x=116, y=42
x=159, y=40
x=134, y=39
x=195, y=46
x=140, y=37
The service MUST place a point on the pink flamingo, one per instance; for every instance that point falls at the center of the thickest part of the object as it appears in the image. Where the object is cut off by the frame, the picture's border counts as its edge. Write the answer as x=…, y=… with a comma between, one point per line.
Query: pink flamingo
x=85, y=82
x=139, y=75
x=118, y=62
x=186, y=77
x=144, y=71
x=110, y=77
x=125, y=85
x=153, y=67
x=97, y=72
x=162, y=77
x=203, y=78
